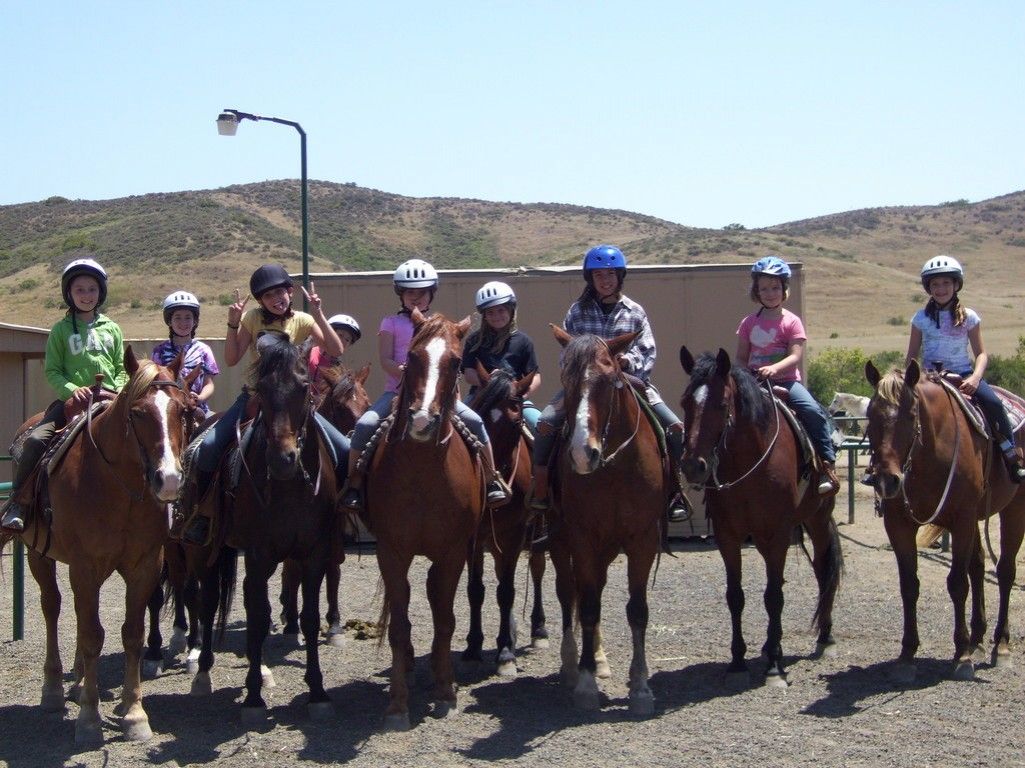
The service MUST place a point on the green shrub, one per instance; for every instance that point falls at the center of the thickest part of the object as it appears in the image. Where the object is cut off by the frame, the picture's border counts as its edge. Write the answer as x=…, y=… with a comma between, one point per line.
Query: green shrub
x=897, y=320
x=842, y=369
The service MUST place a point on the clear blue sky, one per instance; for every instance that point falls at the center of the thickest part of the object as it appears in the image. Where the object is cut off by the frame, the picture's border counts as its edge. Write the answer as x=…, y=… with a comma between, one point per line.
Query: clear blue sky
x=700, y=113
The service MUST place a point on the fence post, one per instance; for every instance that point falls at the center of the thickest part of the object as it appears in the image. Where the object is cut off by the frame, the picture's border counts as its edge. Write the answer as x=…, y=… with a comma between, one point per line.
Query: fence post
x=19, y=573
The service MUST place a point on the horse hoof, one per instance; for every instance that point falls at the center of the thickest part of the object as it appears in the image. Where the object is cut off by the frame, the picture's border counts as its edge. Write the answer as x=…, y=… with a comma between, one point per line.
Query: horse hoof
x=398, y=721
x=776, y=681
x=88, y=733
x=642, y=704
x=52, y=699
x=336, y=639
x=202, y=685
x=254, y=717
x=826, y=651
x=136, y=729
x=151, y=668
x=602, y=670
x=1001, y=658
x=178, y=642
x=964, y=670
x=444, y=709
x=507, y=668
x=267, y=676
x=320, y=711
x=539, y=643
x=904, y=672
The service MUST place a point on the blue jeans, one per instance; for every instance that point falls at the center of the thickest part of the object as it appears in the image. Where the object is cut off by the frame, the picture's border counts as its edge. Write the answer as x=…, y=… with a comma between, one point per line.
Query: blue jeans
x=995, y=412
x=812, y=416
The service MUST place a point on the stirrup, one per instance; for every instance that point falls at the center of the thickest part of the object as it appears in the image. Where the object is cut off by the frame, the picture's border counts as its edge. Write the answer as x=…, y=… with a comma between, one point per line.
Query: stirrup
x=680, y=510
x=497, y=496
x=14, y=517
x=352, y=500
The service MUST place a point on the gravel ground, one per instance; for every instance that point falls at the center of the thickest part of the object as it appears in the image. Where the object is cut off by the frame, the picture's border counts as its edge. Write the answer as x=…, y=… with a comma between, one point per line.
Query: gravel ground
x=848, y=710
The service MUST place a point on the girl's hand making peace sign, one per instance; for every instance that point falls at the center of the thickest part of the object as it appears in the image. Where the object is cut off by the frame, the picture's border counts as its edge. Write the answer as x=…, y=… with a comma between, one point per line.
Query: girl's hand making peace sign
x=235, y=310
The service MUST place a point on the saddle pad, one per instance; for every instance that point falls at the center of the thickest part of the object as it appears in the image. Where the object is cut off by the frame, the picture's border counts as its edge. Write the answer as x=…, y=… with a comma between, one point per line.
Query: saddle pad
x=63, y=439
x=807, y=457
x=1014, y=405
x=971, y=411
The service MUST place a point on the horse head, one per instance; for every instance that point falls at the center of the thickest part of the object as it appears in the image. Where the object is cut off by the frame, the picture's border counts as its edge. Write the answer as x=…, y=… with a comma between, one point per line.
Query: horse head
x=430, y=379
x=156, y=407
x=499, y=401
x=591, y=376
x=708, y=411
x=343, y=395
x=894, y=425
x=282, y=382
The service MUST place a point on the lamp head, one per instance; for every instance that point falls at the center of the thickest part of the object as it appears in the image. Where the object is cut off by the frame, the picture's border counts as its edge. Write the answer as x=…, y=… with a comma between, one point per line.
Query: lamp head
x=227, y=123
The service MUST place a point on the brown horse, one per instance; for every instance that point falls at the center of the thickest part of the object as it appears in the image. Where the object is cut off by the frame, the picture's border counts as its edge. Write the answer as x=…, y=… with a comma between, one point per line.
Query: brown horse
x=931, y=467
x=610, y=497
x=283, y=508
x=740, y=448
x=425, y=494
x=109, y=498
x=499, y=401
x=342, y=400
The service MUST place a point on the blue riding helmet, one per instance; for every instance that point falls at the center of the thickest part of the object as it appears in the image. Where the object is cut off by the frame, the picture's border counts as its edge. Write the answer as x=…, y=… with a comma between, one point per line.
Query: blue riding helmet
x=604, y=257
x=773, y=266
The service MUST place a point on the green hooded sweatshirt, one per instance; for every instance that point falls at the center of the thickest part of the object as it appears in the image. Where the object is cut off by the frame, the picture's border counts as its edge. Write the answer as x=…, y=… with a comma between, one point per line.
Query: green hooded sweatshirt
x=74, y=359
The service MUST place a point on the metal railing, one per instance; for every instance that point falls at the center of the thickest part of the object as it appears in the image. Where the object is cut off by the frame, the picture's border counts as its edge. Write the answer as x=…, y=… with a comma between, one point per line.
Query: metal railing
x=19, y=571
x=853, y=444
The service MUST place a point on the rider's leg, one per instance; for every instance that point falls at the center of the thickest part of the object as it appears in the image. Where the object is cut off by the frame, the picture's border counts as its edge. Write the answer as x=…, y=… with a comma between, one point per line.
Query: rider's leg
x=365, y=428
x=337, y=439
x=1002, y=432
x=498, y=491
x=548, y=426
x=530, y=416
x=32, y=450
x=679, y=510
x=814, y=419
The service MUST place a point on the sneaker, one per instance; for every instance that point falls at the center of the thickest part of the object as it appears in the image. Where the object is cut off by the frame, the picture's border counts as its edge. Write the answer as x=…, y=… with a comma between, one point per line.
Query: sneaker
x=539, y=534
x=352, y=500
x=539, y=504
x=680, y=510
x=828, y=482
x=868, y=479
x=497, y=495
x=198, y=531
x=14, y=517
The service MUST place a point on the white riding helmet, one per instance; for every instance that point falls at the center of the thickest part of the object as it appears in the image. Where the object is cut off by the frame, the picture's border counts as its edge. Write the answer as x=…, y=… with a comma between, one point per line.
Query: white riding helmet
x=494, y=294
x=348, y=322
x=942, y=265
x=415, y=273
x=180, y=300
x=88, y=267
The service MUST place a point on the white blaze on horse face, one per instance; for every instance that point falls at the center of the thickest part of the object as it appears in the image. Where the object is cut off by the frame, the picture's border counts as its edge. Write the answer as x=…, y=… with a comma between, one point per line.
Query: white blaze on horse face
x=496, y=415
x=700, y=394
x=435, y=349
x=581, y=437
x=168, y=463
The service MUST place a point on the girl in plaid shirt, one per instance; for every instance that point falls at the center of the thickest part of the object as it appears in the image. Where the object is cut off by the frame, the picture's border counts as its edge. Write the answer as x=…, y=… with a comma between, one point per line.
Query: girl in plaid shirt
x=603, y=310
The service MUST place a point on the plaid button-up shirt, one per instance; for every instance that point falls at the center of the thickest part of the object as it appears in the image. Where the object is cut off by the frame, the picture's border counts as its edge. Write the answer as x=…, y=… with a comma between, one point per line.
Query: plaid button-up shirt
x=627, y=316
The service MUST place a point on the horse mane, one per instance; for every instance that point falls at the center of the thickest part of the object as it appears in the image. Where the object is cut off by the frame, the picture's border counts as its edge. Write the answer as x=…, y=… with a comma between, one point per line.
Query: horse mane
x=575, y=359
x=753, y=404
x=340, y=381
x=497, y=390
x=891, y=386
x=431, y=327
x=139, y=383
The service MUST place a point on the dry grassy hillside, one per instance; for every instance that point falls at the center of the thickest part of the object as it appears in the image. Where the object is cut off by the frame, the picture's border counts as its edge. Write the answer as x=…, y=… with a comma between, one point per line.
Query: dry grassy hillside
x=861, y=266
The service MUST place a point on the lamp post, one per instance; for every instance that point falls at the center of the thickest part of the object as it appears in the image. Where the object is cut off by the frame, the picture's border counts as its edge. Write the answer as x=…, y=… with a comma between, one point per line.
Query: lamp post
x=227, y=125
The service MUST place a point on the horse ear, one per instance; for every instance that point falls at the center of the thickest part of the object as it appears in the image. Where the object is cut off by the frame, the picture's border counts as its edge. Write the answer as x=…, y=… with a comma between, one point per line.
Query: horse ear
x=361, y=375
x=722, y=363
x=131, y=364
x=912, y=374
x=872, y=374
x=463, y=326
x=686, y=360
x=523, y=385
x=482, y=373
x=176, y=364
x=560, y=335
x=192, y=376
x=417, y=317
x=622, y=343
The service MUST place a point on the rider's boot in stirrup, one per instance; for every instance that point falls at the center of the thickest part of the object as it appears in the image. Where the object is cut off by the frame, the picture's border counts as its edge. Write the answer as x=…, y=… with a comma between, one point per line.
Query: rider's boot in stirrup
x=352, y=499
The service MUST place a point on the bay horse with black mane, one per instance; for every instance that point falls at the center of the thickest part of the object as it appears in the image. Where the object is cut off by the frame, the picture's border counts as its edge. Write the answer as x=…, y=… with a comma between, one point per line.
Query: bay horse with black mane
x=283, y=508
x=109, y=497
x=503, y=532
x=425, y=493
x=742, y=450
x=930, y=466
x=342, y=399
x=610, y=496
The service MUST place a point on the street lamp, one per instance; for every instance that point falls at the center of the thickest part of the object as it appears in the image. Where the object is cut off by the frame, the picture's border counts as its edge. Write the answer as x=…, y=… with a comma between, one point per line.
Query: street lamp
x=227, y=125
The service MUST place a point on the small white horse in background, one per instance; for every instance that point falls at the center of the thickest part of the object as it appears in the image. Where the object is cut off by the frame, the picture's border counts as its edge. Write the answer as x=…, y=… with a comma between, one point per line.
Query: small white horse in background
x=846, y=404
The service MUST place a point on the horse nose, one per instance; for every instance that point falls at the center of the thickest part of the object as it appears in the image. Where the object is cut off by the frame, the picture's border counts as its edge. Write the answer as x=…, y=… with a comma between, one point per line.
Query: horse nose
x=695, y=469
x=888, y=484
x=420, y=420
x=166, y=484
x=282, y=464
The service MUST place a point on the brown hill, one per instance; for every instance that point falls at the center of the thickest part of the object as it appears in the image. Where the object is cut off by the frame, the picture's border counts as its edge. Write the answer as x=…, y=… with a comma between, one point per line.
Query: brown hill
x=861, y=266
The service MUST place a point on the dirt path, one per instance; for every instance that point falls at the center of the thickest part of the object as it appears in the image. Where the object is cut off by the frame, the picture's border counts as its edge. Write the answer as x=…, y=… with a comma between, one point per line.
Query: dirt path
x=846, y=710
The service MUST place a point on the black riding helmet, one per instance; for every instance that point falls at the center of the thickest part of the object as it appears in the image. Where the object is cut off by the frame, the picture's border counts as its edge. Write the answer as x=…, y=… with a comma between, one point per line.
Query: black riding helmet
x=266, y=277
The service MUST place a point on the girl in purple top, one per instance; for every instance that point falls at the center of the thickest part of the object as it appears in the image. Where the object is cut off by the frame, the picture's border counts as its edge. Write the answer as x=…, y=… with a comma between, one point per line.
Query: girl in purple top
x=181, y=313
x=415, y=283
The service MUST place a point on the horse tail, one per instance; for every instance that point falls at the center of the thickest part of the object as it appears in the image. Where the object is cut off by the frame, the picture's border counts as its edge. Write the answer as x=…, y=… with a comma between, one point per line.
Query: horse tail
x=928, y=534
x=830, y=574
x=227, y=578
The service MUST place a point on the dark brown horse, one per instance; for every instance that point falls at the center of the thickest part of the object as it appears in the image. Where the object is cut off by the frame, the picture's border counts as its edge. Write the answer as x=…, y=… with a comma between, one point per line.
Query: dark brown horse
x=425, y=494
x=342, y=399
x=930, y=466
x=499, y=401
x=109, y=498
x=283, y=508
x=741, y=449
x=610, y=497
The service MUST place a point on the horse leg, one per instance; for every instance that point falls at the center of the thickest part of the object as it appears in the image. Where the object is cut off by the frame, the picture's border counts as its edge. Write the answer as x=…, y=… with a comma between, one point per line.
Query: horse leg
x=602, y=670
x=729, y=550
x=153, y=661
x=335, y=631
x=642, y=702
x=209, y=597
x=475, y=595
x=775, y=555
x=291, y=576
x=827, y=562
x=44, y=571
x=442, y=584
x=1012, y=530
x=394, y=570
x=140, y=584
x=565, y=591
x=505, y=571
x=962, y=550
x=538, y=629
x=183, y=633
x=254, y=590
x=977, y=581
x=901, y=532
x=86, y=587
x=590, y=578
x=319, y=705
